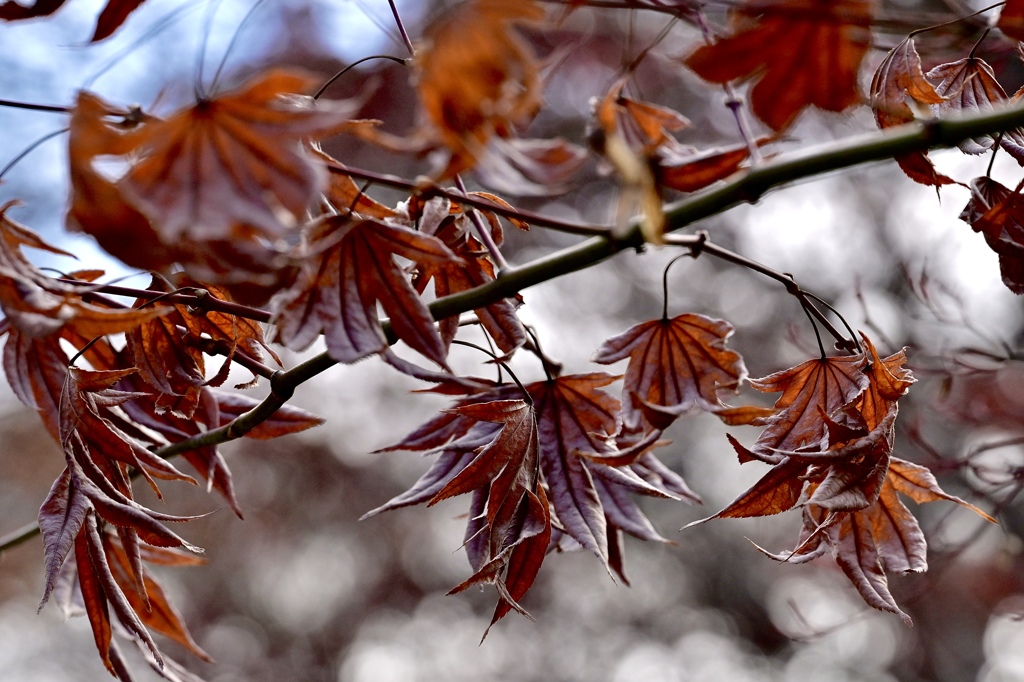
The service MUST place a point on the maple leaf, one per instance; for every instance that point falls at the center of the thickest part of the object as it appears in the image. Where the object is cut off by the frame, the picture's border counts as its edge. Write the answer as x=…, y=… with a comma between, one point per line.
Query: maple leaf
x=882, y=538
x=206, y=460
x=475, y=77
x=233, y=165
x=344, y=194
x=103, y=571
x=86, y=398
x=585, y=478
x=38, y=305
x=644, y=126
x=97, y=206
x=810, y=389
x=351, y=269
x=810, y=53
x=516, y=523
x=286, y=420
x=690, y=169
x=998, y=213
x=898, y=78
x=968, y=85
x=449, y=223
x=60, y=519
x=635, y=134
x=574, y=423
x=113, y=15
x=169, y=351
x=677, y=363
x=150, y=602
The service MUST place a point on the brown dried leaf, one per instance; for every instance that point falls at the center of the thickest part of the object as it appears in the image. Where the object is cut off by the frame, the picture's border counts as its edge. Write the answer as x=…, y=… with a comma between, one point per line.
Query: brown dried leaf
x=968, y=85
x=352, y=269
x=97, y=205
x=60, y=519
x=1011, y=19
x=811, y=389
x=233, y=166
x=476, y=78
x=680, y=363
x=807, y=53
x=693, y=170
x=288, y=418
x=113, y=15
x=475, y=269
x=898, y=78
x=998, y=213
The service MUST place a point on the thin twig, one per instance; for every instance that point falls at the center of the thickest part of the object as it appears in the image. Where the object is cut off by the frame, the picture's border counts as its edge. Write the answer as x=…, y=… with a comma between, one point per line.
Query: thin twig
x=428, y=191
x=732, y=100
x=401, y=28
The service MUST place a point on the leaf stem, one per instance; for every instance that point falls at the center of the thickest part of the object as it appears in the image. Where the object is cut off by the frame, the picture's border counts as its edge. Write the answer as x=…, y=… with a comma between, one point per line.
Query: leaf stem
x=354, y=64
x=51, y=108
x=29, y=149
x=401, y=28
x=733, y=101
x=501, y=363
x=483, y=231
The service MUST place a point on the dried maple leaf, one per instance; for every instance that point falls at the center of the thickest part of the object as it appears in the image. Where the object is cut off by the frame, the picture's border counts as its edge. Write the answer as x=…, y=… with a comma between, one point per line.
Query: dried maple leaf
x=968, y=85
x=169, y=351
x=515, y=524
x=351, y=269
x=97, y=206
x=150, y=603
x=693, y=169
x=345, y=196
x=898, y=78
x=113, y=15
x=206, y=460
x=61, y=517
x=233, y=165
x=38, y=305
x=476, y=78
x=998, y=213
x=287, y=420
x=809, y=390
x=590, y=500
x=35, y=370
x=103, y=572
x=455, y=229
x=677, y=363
x=808, y=52
x=882, y=538
x=644, y=126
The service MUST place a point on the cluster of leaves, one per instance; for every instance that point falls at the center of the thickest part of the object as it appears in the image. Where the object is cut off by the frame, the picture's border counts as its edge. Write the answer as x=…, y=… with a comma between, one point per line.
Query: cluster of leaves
x=232, y=197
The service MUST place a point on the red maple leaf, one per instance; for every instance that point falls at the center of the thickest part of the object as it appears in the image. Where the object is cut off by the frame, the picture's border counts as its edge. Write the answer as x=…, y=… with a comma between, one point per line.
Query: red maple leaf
x=807, y=52
x=898, y=78
x=351, y=268
x=678, y=364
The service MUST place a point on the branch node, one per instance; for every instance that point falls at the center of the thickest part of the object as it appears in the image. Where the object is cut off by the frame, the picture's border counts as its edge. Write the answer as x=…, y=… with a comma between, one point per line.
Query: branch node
x=281, y=385
x=697, y=248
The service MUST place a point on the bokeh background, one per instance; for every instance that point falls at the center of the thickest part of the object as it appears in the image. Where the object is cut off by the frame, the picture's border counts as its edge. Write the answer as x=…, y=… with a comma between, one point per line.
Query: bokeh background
x=302, y=590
